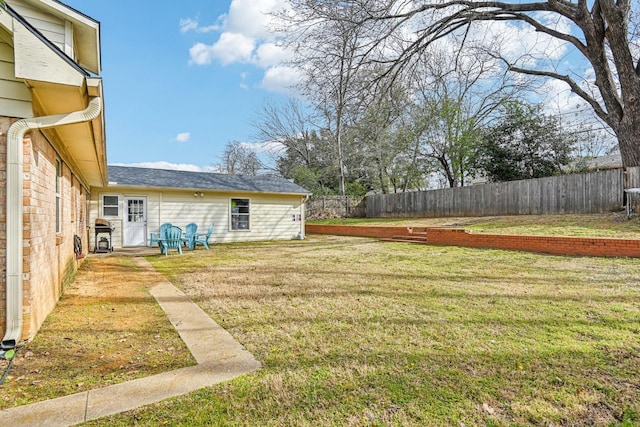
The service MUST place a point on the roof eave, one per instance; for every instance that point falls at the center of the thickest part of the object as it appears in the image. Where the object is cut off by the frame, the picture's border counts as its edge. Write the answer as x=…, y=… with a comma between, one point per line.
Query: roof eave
x=115, y=185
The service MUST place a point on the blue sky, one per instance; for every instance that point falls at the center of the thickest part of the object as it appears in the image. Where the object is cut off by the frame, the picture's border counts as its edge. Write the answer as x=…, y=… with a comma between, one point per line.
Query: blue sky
x=183, y=79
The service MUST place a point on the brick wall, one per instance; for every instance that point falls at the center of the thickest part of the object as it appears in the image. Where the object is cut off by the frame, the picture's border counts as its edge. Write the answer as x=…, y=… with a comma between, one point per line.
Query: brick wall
x=457, y=237
x=49, y=260
x=49, y=257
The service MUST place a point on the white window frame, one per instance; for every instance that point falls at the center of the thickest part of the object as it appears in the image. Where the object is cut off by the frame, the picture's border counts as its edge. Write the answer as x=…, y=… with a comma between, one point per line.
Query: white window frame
x=233, y=214
x=104, y=205
x=58, y=196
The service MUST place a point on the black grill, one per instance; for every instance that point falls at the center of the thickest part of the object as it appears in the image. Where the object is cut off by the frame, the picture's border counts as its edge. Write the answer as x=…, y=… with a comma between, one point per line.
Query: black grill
x=102, y=226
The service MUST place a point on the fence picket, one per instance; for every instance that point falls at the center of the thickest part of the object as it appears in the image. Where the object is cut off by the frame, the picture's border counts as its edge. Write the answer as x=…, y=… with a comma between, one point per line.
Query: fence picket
x=591, y=192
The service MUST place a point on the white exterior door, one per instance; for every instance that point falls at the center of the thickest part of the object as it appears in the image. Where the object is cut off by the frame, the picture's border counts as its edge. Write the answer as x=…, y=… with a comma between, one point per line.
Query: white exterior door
x=135, y=221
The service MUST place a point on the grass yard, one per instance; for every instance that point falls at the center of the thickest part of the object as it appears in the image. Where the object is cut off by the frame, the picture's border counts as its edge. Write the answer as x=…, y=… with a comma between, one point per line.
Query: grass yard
x=354, y=332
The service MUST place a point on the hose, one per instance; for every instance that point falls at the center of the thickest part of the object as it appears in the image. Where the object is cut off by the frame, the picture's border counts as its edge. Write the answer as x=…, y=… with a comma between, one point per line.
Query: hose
x=12, y=356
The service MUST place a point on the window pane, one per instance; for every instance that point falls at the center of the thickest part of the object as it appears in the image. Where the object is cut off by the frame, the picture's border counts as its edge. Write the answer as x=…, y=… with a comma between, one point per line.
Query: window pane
x=110, y=206
x=58, y=175
x=58, y=196
x=110, y=211
x=135, y=210
x=110, y=200
x=58, y=215
x=240, y=214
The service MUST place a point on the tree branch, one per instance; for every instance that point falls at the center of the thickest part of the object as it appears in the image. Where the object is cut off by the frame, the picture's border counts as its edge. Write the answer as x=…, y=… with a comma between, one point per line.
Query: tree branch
x=575, y=88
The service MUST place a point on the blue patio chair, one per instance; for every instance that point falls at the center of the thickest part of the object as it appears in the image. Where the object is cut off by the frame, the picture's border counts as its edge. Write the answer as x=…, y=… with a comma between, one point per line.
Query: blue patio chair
x=171, y=239
x=155, y=237
x=190, y=235
x=203, y=238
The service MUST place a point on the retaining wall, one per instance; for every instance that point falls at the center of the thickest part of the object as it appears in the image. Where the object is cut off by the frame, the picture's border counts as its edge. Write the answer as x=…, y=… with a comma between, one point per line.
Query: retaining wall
x=594, y=246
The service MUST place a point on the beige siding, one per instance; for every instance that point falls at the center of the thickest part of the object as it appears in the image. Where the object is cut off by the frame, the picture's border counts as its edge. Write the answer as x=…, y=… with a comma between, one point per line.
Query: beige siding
x=53, y=28
x=6, y=55
x=272, y=217
x=96, y=211
x=15, y=97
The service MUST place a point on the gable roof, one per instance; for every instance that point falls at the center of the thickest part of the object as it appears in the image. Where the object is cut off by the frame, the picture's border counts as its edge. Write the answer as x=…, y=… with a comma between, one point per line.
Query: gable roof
x=128, y=176
x=86, y=30
x=49, y=44
x=57, y=84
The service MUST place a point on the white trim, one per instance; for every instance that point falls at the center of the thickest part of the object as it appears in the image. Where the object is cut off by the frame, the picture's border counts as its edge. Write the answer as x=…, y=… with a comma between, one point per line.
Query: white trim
x=69, y=48
x=129, y=227
x=102, y=205
x=231, y=199
x=59, y=192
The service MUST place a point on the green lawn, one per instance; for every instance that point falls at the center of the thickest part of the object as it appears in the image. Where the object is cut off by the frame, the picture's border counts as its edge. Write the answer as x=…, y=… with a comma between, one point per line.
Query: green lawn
x=354, y=332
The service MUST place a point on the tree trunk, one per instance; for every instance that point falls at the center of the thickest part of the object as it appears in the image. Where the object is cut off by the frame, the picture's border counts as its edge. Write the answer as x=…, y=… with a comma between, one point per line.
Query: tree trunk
x=628, y=133
x=627, y=130
x=381, y=170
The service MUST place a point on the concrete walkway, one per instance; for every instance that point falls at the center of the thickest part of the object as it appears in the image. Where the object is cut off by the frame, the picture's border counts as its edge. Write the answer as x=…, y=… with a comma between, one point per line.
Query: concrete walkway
x=219, y=356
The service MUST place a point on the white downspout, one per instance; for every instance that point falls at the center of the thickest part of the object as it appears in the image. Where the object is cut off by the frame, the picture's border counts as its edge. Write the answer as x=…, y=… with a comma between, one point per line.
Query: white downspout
x=303, y=216
x=14, y=225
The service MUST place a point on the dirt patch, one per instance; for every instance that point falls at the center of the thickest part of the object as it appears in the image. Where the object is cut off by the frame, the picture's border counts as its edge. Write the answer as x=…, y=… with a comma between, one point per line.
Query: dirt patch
x=106, y=329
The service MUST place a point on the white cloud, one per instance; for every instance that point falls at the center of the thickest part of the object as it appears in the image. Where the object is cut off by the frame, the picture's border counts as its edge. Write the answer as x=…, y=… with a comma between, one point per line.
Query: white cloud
x=243, y=78
x=281, y=79
x=270, y=54
x=252, y=18
x=200, y=54
x=523, y=44
x=183, y=137
x=230, y=48
x=192, y=24
x=267, y=147
x=233, y=47
x=245, y=38
x=188, y=24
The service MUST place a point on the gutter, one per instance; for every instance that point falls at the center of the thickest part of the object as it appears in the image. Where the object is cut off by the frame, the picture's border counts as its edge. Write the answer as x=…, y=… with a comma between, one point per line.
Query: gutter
x=14, y=212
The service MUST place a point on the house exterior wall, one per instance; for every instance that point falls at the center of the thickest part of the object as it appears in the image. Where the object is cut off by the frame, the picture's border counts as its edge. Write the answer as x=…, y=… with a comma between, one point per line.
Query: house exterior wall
x=15, y=97
x=50, y=26
x=272, y=216
x=49, y=261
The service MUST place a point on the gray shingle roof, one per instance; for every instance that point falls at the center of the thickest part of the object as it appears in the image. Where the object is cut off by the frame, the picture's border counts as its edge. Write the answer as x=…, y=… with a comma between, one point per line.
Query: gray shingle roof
x=163, y=178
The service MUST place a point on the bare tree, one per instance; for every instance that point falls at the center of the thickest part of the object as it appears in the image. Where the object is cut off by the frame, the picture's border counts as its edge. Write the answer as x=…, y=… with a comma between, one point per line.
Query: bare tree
x=288, y=128
x=604, y=33
x=329, y=53
x=389, y=155
x=237, y=159
x=453, y=102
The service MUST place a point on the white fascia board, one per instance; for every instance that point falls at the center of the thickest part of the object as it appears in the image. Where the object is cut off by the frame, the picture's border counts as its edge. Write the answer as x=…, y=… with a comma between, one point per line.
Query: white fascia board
x=66, y=12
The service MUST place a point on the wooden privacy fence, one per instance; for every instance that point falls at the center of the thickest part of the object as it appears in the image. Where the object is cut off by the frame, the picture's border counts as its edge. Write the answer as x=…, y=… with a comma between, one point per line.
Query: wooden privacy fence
x=591, y=192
